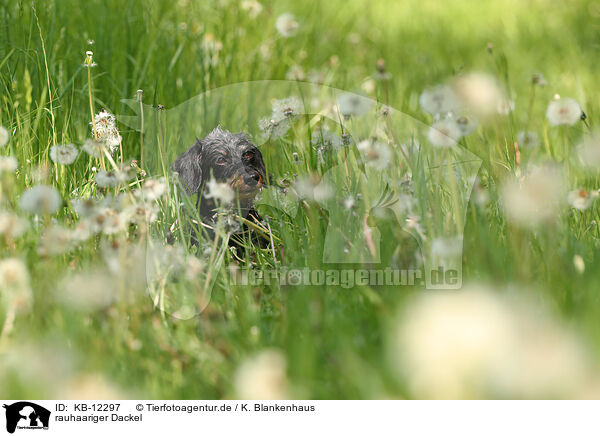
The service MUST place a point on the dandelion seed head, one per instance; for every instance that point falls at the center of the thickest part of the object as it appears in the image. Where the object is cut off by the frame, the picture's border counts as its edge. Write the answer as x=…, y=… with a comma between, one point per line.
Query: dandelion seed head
x=503, y=347
x=40, y=200
x=220, y=192
x=15, y=289
x=539, y=79
x=152, y=189
x=467, y=124
x=296, y=72
x=326, y=139
x=88, y=290
x=112, y=178
x=479, y=94
x=4, y=136
x=505, y=106
x=287, y=25
x=63, y=154
x=262, y=377
x=142, y=213
x=445, y=133
x=376, y=154
x=439, y=99
x=581, y=199
x=252, y=8
x=82, y=231
x=55, y=240
x=94, y=148
x=527, y=139
x=287, y=108
x=8, y=164
x=588, y=152
x=534, y=200
x=579, y=264
x=11, y=225
x=351, y=104
x=106, y=129
x=313, y=188
x=563, y=111
x=272, y=128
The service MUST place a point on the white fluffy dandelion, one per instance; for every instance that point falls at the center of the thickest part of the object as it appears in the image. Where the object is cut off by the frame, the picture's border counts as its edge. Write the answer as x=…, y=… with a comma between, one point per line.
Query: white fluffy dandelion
x=4, y=136
x=272, y=128
x=287, y=108
x=15, y=288
x=326, y=139
x=579, y=264
x=85, y=207
x=296, y=72
x=563, y=111
x=589, y=152
x=286, y=25
x=581, y=199
x=94, y=148
x=467, y=124
x=312, y=188
x=55, y=240
x=110, y=179
x=505, y=106
x=88, y=290
x=153, y=189
x=479, y=94
x=106, y=129
x=8, y=164
x=490, y=346
x=82, y=231
x=252, y=8
x=376, y=153
x=11, y=225
x=535, y=199
x=40, y=200
x=63, y=154
x=262, y=377
x=445, y=133
x=221, y=192
x=353, y=104
x=110, y=221
x=527, y=139
x=142, y=213
x=439, y=99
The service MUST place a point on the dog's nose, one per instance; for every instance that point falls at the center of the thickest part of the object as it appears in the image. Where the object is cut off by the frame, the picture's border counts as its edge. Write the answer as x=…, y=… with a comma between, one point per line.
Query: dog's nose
x=251, y=179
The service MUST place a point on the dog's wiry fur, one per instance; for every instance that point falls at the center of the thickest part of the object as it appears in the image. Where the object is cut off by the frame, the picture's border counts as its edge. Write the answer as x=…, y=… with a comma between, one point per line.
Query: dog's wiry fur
x=228, y=158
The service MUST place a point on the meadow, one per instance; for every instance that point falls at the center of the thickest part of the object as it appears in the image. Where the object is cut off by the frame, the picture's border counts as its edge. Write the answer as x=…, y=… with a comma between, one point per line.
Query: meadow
x=102, y=295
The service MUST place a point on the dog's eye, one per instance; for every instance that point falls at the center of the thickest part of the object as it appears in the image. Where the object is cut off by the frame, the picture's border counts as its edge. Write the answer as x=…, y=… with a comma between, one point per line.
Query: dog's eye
x=221, y=160
x=249, y=155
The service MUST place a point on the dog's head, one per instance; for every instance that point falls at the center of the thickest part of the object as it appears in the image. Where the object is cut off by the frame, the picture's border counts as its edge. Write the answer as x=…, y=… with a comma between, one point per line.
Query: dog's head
x=228, y=157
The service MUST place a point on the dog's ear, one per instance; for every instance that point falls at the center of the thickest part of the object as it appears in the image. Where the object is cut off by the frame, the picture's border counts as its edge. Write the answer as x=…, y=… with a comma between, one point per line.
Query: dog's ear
x=189, y=168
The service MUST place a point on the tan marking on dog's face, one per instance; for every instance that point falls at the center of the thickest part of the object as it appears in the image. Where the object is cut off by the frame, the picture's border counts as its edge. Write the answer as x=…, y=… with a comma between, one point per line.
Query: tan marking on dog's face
x=243, y=190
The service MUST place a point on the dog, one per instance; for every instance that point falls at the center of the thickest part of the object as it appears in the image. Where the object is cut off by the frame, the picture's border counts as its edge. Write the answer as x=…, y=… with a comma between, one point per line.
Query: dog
x=228, y=158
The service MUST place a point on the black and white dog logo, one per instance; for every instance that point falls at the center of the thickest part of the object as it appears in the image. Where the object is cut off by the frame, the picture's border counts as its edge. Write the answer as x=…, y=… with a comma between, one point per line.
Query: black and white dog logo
x=26, y=415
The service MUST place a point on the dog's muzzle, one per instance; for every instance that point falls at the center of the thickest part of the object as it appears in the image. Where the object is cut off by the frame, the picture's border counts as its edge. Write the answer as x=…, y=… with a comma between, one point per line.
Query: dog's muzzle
x=247, y=185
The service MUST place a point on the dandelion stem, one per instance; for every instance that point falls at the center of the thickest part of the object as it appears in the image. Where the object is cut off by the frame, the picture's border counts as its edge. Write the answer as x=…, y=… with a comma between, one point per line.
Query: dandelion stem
x=141, y=130
x=530, y=108
x=47, y=77
x=92, y=104
x=161, y=143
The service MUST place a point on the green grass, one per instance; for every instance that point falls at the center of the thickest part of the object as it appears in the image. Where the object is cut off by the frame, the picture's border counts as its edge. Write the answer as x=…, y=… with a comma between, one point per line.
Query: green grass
x=336, y=341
